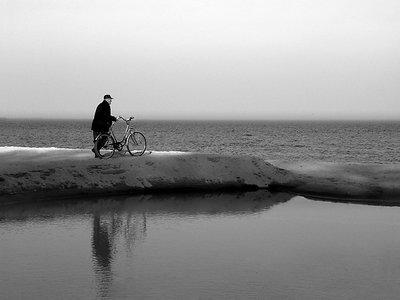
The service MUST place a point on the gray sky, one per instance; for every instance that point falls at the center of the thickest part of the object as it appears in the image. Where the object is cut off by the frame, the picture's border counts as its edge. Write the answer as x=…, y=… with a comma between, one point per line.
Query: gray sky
x=169, y=59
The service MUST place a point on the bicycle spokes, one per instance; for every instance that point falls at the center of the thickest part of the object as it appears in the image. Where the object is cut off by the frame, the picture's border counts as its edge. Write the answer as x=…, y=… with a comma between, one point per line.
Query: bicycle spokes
x=105, y=146
x=137, y=144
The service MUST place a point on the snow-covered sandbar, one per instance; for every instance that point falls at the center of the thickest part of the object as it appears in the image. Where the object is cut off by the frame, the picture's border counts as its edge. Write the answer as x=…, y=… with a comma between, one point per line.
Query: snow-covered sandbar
x=38, y=172
x=52, y=171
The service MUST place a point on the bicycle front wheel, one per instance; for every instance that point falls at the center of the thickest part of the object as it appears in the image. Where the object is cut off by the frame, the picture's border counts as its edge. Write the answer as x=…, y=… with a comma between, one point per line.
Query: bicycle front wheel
x=136, y=144
x=104, y=146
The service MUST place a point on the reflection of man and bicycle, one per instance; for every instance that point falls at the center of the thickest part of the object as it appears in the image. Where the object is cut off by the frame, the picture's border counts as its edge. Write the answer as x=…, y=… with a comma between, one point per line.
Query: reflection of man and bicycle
x=105, y=141
x=119, y=225
x=110, y=231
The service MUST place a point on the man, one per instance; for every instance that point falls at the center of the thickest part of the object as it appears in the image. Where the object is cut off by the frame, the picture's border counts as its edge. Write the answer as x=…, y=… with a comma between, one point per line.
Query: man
x=102, y=118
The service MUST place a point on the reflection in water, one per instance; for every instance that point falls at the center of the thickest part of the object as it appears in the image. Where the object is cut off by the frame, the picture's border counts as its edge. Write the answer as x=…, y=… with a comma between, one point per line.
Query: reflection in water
x=191, y=246
x=107, y=228
x=126, y=219
x=122, y=221
x=102, y=244
x=176, y=204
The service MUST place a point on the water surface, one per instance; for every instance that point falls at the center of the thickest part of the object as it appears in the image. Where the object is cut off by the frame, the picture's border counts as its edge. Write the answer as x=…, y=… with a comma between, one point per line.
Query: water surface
x=340, y=141
x=252, y=245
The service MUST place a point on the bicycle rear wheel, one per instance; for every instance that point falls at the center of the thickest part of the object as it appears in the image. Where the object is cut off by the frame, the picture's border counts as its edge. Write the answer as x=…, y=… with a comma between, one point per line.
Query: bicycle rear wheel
x=104, y=146
x=136, y=144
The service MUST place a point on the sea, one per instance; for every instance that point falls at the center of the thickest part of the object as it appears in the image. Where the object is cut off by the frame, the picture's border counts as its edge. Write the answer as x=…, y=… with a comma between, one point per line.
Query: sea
x=330, y=141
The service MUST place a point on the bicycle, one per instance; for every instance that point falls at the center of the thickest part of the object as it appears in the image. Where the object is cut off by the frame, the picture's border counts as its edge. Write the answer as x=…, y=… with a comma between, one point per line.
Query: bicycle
x=106, y=143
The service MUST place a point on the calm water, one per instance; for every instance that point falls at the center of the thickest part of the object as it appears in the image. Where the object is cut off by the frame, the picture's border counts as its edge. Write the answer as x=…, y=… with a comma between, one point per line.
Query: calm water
x=366, y=142
x=253, y=245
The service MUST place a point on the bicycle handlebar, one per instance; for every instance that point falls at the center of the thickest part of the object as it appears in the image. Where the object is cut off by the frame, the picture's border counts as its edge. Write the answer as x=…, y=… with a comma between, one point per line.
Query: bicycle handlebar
x=130, y=118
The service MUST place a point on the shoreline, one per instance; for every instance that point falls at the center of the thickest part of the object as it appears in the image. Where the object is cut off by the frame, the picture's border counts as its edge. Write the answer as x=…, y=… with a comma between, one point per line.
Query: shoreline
x=31, y=174
x=52, y=172
x=353, y=181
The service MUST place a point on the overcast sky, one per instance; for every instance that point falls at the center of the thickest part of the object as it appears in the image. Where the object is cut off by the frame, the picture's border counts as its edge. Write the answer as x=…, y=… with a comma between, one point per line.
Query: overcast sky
x=183, y=59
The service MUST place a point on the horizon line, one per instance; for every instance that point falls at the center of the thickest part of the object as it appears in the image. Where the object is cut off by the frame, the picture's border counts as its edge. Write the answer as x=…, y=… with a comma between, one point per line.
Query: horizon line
x=214, y=119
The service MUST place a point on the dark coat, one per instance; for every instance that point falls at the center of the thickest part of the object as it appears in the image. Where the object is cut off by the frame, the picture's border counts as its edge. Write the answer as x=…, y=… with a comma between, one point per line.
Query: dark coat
x=102, y=117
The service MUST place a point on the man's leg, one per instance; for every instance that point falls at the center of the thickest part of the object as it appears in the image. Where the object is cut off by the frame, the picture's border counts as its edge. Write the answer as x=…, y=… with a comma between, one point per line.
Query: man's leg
x=95, y=135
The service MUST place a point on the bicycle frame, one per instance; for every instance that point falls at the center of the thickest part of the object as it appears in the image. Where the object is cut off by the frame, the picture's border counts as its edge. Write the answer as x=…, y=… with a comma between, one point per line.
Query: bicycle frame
x=128, y=131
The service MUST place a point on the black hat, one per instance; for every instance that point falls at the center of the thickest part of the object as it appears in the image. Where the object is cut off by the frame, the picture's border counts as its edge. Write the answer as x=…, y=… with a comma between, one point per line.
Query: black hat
x=107, y=97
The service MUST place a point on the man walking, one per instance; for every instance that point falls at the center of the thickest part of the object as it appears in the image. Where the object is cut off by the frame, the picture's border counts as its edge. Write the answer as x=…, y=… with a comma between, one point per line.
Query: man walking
x=102, y=118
